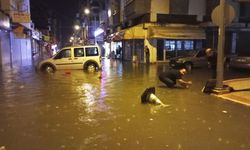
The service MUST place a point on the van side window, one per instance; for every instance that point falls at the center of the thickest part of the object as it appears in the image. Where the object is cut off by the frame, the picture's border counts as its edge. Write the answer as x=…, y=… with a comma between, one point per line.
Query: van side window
x=63, y=54
x=78, y=52
x=91, y=51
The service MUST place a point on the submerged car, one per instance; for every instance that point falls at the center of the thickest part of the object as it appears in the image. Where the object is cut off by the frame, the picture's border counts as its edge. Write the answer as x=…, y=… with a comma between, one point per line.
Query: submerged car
x=194, y=59
x=240, y=61
x=74, y=57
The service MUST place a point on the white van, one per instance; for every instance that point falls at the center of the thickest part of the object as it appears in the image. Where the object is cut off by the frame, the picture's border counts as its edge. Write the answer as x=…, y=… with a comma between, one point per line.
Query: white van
x=74, y=57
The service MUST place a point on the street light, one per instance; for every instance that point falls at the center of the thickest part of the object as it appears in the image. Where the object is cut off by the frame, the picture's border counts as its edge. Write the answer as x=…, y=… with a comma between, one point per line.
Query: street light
x=86, y=11
x=109, y=13
x=77, y=27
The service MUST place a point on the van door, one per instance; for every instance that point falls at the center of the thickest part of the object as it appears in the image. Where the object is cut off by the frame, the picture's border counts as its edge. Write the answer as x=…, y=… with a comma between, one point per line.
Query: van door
x=63, y=59
x=92, y=53
x=78, y=58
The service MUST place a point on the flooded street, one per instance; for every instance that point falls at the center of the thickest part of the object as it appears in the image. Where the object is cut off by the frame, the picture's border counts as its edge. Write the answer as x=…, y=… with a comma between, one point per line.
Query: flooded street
x=76, y=110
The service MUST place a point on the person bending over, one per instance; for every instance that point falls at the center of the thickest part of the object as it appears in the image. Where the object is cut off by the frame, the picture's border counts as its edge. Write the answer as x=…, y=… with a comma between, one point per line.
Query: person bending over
x=173, y=78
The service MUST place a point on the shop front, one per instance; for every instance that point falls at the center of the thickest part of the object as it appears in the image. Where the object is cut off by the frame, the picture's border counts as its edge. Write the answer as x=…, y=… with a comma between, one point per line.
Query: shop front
x=173, y=41
x=5, y=45
x=163, y=41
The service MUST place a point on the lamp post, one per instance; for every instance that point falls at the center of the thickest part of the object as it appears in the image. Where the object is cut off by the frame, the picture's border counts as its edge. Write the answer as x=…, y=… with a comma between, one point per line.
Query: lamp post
x=76, y=28
x=222, y=15
x=87, y=12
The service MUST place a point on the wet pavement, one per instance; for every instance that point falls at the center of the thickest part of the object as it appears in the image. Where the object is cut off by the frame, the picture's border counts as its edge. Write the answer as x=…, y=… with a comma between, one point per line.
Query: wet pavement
x=241, y=91
x=76, y=110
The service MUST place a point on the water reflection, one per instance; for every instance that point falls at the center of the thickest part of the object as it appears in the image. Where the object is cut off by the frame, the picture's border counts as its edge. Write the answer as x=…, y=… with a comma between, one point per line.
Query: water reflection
x=77, y=110
x=91, y=102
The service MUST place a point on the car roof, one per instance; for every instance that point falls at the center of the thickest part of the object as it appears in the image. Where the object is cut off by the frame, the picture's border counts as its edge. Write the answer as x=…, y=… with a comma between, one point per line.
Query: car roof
x=80, y=46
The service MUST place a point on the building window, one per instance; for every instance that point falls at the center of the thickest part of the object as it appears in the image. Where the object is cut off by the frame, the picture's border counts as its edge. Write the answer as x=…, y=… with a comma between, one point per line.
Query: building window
x=244, y=9
x=179, y=6
x=171, y=45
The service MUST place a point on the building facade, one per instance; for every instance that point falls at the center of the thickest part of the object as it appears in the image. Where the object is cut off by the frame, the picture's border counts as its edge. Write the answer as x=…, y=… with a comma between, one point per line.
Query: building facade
x=19, y=35
x=170, y=28
x=5, y=49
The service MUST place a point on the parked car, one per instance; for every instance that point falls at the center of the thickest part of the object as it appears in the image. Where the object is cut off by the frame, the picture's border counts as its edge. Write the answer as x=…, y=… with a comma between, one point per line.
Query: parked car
x=240, y=61
x=194, y=59
x=74, y=57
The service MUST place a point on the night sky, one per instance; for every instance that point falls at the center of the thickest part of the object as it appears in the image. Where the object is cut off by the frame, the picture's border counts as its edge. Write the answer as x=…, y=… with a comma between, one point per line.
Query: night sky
x=64, y=10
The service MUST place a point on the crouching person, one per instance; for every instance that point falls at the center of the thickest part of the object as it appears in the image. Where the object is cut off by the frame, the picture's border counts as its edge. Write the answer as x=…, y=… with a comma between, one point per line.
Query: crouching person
x=173, y=78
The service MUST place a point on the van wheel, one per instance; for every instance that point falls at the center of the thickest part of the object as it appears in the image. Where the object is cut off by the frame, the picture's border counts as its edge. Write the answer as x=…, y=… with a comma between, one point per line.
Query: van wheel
x=91, y=67
x=189, y=67
x=48, y=68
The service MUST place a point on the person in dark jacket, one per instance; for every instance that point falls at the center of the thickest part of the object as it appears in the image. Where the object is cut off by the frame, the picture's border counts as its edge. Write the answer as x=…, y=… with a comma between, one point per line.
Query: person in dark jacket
x=212, y=61
x=147, y=54
x=173, y=78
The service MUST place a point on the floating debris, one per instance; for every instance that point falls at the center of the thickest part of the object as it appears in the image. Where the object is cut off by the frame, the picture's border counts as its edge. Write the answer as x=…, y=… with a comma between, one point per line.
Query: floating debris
x=224, y=111
x=137, y=142
x=2, y=148
x=148, y=96
x=219, y=139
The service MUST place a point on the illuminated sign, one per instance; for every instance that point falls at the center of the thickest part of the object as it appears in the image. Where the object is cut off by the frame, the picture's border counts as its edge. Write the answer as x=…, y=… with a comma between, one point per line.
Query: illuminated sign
x=21, y=17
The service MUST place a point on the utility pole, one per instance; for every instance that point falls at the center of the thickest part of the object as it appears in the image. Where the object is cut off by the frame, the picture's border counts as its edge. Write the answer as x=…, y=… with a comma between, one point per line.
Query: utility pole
x=221, y=45
x=222, y=15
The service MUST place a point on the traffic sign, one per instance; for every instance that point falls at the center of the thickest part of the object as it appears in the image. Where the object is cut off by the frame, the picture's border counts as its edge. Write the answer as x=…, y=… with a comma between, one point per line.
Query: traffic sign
x=229, y=14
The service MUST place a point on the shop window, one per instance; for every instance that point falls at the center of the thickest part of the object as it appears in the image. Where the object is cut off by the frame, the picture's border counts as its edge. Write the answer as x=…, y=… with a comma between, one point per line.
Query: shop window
x=170, y=45
x=188, y=45
x=178, y=45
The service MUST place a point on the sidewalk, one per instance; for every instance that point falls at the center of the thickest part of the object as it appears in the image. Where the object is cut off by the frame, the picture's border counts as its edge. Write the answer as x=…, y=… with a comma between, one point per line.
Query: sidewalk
x=238, y=95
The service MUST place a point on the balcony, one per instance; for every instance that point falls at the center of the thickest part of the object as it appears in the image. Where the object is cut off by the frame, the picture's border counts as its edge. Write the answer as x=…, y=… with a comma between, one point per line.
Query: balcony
x=244, y=19
x=179, y=19
x=136, y=8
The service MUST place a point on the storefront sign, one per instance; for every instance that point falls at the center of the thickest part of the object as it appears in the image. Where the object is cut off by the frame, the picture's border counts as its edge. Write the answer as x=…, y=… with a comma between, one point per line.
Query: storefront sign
x=21, y=17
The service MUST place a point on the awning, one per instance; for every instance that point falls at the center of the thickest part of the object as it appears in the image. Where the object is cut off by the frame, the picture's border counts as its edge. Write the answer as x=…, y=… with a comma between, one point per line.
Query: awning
x=117, y=36
x=176, y=32
x=134, y=33
x=128, y=34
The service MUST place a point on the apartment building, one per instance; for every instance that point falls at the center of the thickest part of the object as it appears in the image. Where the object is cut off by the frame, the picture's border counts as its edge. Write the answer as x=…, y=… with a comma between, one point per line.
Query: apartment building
x=171, y=27
x=20, y=52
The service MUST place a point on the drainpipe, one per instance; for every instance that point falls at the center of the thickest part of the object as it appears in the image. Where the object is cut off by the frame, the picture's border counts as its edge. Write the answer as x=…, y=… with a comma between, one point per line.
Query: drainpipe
x=11, y=50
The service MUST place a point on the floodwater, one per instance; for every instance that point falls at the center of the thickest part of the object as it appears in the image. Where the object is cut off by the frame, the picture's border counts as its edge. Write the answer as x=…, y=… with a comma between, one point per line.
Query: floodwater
x=76, y=110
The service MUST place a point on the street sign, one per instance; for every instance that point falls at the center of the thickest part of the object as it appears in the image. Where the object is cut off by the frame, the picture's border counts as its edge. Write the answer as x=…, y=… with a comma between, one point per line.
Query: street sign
x=229, y=14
